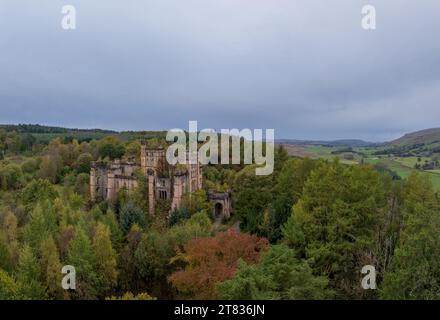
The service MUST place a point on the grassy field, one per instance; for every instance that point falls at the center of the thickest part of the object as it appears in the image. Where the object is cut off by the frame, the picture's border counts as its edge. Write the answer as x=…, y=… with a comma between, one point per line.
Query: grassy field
x=403, y=166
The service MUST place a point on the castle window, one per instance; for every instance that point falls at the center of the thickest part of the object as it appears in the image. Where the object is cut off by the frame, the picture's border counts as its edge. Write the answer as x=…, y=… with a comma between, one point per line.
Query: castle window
x=162, y=194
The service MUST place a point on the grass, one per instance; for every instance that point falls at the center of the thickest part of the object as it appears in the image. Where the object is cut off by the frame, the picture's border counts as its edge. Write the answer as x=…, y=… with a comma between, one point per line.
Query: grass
x=403, y=166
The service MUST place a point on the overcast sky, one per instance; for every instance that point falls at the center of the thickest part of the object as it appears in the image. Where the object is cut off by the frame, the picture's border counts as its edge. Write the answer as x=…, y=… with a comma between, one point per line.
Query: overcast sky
x=303, y=67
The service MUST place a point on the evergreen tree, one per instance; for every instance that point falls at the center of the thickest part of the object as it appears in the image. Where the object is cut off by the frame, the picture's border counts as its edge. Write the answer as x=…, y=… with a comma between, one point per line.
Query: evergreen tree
x=415, y=268
x=105, y=258
x=9, y=288
x=339, y=213
x=83, y=259
x=279, y=275
x=29, y=275
x=51, y=269
x=131, y=214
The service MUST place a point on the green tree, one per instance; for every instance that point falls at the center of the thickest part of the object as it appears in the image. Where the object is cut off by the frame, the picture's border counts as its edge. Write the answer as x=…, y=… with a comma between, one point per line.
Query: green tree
x=82, y=185
x=83, y=163
x=339, y=212
x=37, y=191
x=42, y=224
x=279, y=275
x=156, y=250
x=105, y=258
x=9, y=288
x=29, y=275
x=251, y=196
x=129, y=276
x=10, y=177
x=131, y=214
x=116, y=233
x=50, y=167
x=112, y=148
x=82, y=257
x=131, y=296
x=415, y=267
x=51, y=269
x=133, y=150
x=288, y=191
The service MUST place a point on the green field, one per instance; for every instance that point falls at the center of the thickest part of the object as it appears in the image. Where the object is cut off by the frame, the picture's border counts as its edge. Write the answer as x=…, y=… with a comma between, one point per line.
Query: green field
x=403, y=166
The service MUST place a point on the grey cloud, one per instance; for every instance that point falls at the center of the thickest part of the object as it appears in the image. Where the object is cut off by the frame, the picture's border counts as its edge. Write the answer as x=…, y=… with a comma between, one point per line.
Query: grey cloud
x=305, y=68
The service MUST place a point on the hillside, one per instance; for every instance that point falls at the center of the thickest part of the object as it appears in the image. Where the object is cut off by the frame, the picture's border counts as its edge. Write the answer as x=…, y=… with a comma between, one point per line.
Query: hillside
x=36, y=128
x=354, y=143
x=420, y=143
x=427, y=136
x=44, y=134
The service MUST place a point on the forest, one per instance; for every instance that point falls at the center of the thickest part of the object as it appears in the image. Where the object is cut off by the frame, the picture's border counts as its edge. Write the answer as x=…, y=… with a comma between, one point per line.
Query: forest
x=305, y=231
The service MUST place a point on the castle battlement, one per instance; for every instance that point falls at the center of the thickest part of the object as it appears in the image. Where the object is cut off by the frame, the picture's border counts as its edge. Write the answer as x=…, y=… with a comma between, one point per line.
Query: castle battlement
x=165, y=182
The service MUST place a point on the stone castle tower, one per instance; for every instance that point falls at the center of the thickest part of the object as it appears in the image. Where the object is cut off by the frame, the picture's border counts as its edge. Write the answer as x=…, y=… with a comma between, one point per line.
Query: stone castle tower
x=165, y=182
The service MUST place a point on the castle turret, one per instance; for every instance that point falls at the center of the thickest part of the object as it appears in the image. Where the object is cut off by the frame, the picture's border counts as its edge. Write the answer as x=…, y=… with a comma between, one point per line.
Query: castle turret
x=111, y=192
x=151, y=193
x=153, y=164
x=93, y=183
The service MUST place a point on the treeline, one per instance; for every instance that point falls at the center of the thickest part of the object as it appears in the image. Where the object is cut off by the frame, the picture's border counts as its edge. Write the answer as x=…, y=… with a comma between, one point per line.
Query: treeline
x=304, y=232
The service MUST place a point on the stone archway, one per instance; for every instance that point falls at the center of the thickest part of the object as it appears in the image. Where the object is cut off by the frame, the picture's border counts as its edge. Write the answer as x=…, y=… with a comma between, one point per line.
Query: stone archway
x=221, y=204
x=218, y=211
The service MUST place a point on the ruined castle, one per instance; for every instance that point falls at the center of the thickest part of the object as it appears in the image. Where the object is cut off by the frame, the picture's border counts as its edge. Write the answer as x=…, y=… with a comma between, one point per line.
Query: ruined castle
x=165, y=181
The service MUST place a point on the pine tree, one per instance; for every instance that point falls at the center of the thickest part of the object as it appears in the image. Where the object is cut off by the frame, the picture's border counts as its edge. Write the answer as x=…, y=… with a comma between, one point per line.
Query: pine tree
x=51, y=269
x=42, y=225
x=82, y=258
x=105, y=258
x=339, y=212
x=29, y=275
x=415, y=268
x=9, y=288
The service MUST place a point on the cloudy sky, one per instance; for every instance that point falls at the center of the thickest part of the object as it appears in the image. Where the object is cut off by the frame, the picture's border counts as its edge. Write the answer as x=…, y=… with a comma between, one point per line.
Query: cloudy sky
x=303, y=67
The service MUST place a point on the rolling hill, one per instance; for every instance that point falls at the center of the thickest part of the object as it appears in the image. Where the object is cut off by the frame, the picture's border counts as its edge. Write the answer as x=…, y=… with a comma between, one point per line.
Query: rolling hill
x=427, y=136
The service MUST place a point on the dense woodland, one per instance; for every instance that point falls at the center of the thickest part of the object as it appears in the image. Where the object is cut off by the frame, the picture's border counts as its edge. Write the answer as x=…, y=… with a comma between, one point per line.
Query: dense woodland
x=305, y=231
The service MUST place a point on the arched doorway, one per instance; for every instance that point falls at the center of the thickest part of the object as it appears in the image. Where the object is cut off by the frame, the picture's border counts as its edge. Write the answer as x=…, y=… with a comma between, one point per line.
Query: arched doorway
x=218, y=210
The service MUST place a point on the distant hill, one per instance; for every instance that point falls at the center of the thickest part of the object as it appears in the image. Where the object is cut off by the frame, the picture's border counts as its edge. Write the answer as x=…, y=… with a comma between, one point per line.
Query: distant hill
x=354, y=143
x=427, y=136
x=420, y=143
x=36, y=128
x=44, y=134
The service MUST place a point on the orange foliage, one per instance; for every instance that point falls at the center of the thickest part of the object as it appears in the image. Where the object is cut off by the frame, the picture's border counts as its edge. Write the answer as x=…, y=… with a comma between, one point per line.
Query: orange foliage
x=215, y=259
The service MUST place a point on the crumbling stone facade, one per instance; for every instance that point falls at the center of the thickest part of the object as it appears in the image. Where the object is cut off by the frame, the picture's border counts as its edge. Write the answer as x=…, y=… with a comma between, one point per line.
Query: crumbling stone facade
x=221, y=204
x=165, y=182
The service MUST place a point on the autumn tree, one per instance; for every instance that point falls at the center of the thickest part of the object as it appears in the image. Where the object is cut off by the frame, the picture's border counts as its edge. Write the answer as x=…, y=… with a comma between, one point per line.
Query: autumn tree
x=9, y=288
x=105, y=258
x=279, y=275
x=210, y=260
x=10, y=177
x=156, y=250
x=9, y=245
x=51, y=269
x=131, y=296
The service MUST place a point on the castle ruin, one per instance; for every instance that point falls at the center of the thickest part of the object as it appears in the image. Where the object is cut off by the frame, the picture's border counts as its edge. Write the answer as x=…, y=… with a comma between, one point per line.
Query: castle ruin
x=165, y=182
